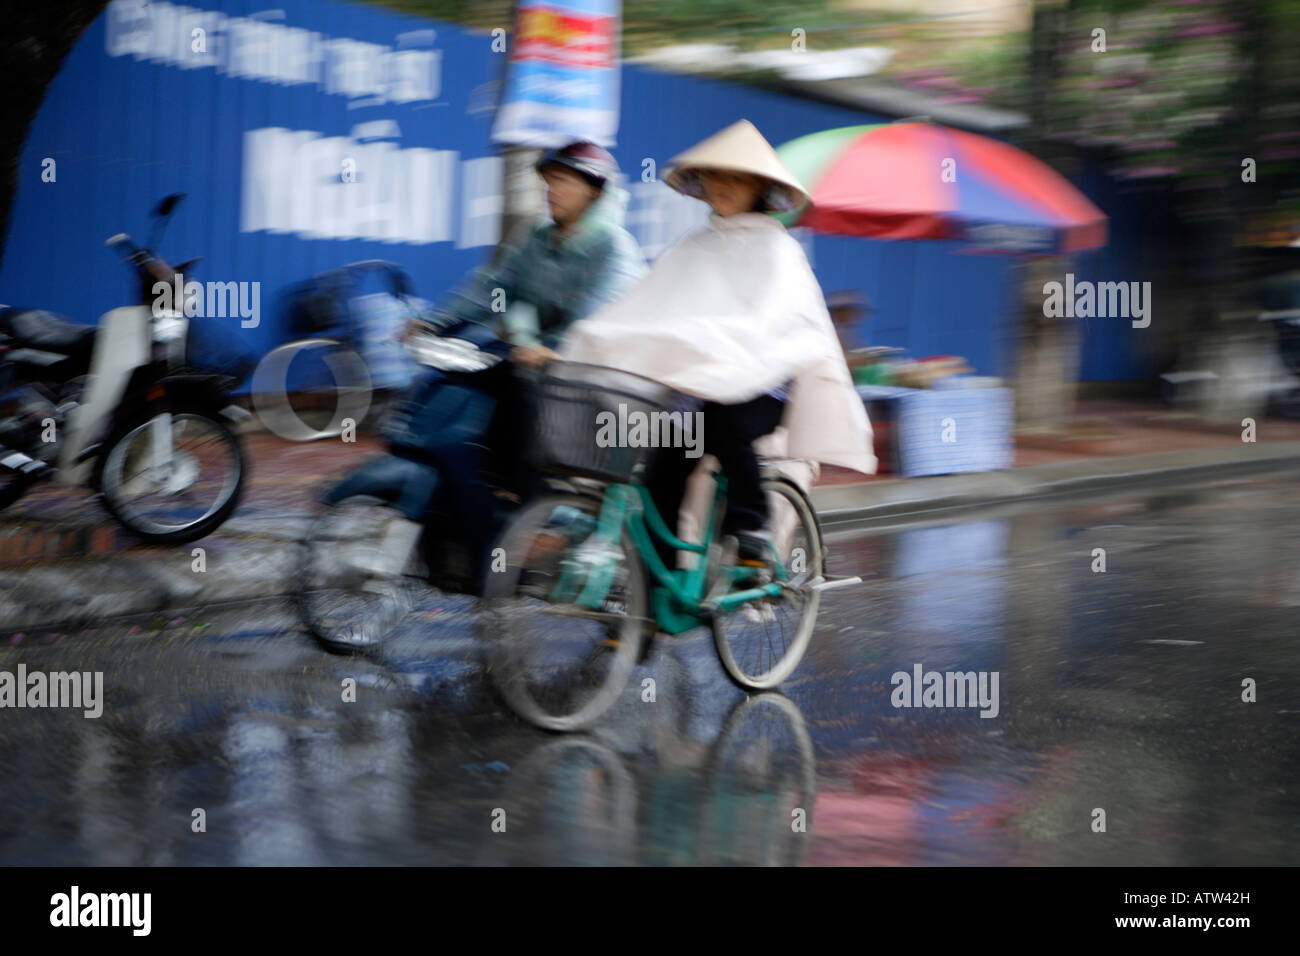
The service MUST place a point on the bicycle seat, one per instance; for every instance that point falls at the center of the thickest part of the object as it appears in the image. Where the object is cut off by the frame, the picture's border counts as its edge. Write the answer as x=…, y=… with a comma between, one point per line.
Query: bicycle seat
x=47, y=332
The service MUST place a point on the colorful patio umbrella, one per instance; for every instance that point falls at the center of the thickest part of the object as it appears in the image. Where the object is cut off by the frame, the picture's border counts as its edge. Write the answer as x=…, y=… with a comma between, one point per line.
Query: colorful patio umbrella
x=918, y=180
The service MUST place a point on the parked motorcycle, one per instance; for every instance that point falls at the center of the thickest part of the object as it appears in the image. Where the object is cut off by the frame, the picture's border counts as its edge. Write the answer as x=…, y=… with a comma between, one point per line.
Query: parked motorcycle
x=135, y=408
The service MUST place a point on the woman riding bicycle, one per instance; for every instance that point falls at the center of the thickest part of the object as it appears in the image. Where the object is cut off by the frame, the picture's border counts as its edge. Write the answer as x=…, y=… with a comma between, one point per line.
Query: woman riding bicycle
x=733, y=315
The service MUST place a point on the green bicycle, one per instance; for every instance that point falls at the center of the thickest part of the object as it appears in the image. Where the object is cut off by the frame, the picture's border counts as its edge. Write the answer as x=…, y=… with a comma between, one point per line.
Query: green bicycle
x=579, y=588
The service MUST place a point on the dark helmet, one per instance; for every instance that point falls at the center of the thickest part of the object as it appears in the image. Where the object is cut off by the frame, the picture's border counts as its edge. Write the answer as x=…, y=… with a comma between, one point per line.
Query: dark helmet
x=591, y=161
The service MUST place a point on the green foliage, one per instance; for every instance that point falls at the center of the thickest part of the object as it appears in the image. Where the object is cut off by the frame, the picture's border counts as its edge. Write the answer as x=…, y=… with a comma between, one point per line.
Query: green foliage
x=469, y=12
x=1186, y=91
x=655, y=22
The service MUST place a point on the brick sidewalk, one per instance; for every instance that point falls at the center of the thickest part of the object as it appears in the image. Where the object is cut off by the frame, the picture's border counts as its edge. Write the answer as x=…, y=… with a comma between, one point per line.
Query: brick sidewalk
x=51, y=521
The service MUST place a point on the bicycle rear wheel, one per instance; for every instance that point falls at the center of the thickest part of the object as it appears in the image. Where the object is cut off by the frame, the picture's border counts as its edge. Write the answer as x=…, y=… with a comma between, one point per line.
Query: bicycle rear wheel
x=557, y=663
x=761, y=642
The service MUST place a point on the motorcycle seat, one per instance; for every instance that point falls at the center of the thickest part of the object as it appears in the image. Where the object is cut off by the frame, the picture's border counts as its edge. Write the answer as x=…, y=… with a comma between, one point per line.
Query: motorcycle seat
x=47, y=332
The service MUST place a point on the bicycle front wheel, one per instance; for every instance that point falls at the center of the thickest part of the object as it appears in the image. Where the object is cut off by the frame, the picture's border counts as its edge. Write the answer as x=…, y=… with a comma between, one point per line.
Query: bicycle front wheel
x=563, y=615
x=351, y=593
x=761, y=642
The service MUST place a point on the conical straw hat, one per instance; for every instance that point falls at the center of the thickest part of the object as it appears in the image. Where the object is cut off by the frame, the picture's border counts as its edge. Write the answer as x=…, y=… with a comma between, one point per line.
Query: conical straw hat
x=742, y=148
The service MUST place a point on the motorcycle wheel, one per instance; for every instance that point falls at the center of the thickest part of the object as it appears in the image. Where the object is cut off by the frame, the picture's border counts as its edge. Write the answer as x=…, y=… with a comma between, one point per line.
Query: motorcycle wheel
x=188, y=497
x=346, y=597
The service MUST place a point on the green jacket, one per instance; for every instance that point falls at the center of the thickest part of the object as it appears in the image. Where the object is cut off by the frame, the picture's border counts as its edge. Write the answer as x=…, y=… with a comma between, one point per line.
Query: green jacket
x=547, y=282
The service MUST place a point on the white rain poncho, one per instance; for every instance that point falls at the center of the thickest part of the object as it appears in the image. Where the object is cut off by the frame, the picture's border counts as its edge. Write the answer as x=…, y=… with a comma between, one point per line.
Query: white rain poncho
x=728, y=314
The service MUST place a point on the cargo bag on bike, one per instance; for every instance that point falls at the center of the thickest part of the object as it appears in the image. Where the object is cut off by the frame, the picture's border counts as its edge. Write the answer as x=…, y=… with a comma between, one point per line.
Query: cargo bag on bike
x=438, y=413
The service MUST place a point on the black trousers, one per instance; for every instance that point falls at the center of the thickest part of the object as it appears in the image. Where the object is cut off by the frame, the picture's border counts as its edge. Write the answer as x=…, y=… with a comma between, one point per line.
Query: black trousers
x=729, y=431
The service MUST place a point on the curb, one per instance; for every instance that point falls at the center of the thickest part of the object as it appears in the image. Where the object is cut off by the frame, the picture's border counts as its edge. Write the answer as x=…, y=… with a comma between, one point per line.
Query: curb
x=28, y=540
x=845, y=505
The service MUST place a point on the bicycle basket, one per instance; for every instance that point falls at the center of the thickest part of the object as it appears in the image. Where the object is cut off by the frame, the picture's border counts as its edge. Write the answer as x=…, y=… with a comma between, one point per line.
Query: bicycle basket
x=599, y=422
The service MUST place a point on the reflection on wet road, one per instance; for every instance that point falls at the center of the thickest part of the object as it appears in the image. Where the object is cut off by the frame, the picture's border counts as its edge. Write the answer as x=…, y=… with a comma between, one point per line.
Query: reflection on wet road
x=1119, y=690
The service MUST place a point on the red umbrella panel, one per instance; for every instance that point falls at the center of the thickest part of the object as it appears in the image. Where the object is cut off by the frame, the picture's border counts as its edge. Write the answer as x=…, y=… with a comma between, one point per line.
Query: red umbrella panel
x=924, y=181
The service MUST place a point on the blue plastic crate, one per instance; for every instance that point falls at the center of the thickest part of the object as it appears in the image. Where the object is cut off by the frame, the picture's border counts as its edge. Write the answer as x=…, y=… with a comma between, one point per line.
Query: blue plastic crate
x=945, y=431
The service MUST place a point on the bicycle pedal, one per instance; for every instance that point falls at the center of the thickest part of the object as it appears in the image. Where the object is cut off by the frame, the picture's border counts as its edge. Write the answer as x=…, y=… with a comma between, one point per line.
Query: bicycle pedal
x=547, y=545
x=830, y=584
x=759, y=575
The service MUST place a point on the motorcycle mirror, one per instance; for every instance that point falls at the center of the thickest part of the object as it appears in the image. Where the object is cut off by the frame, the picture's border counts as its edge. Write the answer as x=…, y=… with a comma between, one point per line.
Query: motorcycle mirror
x=163, y=212
x=167, y=204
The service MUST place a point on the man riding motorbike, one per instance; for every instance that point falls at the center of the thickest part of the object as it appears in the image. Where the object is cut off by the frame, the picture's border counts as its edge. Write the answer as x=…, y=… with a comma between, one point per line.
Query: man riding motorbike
x=550, y=274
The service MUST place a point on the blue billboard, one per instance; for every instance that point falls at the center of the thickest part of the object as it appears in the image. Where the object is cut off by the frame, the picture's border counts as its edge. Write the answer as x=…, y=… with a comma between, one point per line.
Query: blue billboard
x=319, y=133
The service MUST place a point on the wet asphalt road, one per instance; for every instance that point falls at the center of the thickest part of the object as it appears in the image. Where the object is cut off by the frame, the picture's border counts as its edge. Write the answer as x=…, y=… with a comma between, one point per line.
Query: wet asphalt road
x=1118, y=690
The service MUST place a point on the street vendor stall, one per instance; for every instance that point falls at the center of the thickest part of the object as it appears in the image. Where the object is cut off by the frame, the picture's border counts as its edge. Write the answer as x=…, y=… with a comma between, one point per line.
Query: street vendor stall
x=919, y=180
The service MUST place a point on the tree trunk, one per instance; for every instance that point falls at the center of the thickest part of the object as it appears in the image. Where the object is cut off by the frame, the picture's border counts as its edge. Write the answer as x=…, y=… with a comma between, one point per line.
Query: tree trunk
x=1048, y=353
x=1048, y=370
